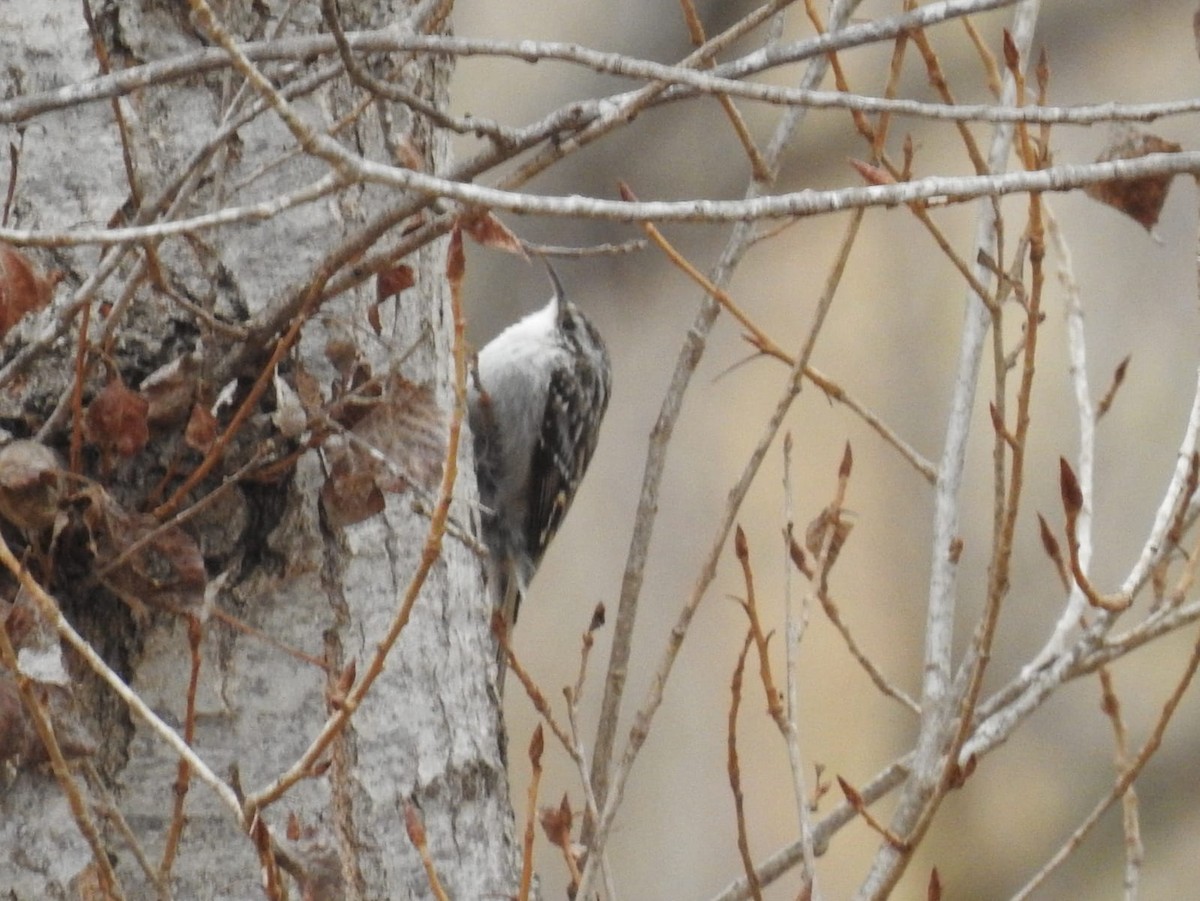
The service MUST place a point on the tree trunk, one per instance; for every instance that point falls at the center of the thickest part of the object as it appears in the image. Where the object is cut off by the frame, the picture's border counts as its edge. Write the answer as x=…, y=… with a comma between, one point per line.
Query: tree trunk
x=426, y=737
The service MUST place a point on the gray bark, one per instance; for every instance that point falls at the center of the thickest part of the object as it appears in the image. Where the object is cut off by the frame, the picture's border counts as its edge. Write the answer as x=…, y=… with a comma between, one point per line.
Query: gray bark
x=429, y=731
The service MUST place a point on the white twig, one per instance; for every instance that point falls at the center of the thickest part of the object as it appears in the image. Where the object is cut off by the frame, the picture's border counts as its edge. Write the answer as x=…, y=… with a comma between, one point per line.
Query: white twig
x=1085, y=464
x=795, y=627
x=937, y=701
x=941, y=190
x=1031, y=692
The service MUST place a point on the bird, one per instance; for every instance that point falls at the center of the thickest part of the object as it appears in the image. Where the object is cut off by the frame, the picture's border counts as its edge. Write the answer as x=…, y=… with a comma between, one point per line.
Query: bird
x=536, y=401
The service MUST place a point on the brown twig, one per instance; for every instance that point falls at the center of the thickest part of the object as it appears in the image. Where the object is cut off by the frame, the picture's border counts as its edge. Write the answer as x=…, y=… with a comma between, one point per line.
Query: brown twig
x=537, y=744
x=416, y=834
x=986, y=57
x=734, y=769
x=107, y=807
x=876, y=676
x=1072, y=499
x=269, y=863
x=876, y=137
x=761, y=640
x=40, y=716
x=758, y=165
x=1134, y=850
x=1118, y=379
x=763, y=343
x=585, y=650
x=856, y=801
x=937, y=79
x=1126, y=778
x=183, y=774
x=536, y=696
x=81, y=354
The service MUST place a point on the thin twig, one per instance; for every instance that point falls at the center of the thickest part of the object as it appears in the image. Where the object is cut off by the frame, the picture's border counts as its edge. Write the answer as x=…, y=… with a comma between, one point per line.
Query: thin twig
x=183, y=773
x=758, y=165
x=537, y=745
x=734, y=769
x=40, y=715
x=795, y=625
x=762, y=342
x=416, y=834
x=1123, y=782
x=1134, y=850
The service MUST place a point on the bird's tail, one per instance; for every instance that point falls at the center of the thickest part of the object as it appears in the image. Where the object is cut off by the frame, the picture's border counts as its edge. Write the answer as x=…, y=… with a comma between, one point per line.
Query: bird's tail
x=507, y=599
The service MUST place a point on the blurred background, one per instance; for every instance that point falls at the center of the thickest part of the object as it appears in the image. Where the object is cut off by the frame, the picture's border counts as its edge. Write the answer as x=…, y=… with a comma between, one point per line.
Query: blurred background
x=892, y=340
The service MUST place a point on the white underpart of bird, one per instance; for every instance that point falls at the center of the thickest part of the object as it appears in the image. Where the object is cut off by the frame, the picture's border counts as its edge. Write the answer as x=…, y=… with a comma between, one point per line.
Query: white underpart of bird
x=535, y=413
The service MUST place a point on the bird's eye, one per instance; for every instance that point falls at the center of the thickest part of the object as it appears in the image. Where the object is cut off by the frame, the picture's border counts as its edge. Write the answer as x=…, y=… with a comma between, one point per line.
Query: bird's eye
x=569, y=323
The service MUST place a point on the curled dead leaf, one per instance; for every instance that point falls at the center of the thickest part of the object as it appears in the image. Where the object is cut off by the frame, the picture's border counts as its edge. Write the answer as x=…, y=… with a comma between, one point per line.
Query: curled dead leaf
x=556, y=823
x=396, y=441
x=23, y=289
x=201, y=429
x=30, y=484
x=487, y=230
x=133, y=555
x=171, y=389
x=1141, y=199
x=289, y=416
x=392, y=281
x=117, y=421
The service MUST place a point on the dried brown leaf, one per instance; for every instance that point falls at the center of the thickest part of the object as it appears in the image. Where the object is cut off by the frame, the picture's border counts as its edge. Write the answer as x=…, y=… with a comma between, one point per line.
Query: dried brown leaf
x=116, y=420
x=289, y=416
x=1141, y=199
x=30, y=484
x=556, y=823
x=22, y=288
x=392, y=281
x=488, y=231
x=201, y=429
x=171, y=389
x=308, y=388
x=398, y=441
x=165, y=570
x=818, y=528
x=350, y=493
x=343, y=354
